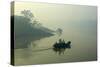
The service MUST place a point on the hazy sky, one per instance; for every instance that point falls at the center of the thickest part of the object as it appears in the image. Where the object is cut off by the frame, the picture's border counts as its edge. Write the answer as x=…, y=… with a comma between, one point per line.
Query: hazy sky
x=54, y=14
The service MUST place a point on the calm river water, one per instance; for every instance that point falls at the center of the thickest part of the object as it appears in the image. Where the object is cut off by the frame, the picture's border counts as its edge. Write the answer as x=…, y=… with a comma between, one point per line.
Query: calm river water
x=83, y=47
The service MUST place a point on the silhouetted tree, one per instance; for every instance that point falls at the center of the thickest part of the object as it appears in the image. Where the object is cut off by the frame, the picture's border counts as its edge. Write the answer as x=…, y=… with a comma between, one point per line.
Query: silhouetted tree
x=59, y=31
x=27, y=13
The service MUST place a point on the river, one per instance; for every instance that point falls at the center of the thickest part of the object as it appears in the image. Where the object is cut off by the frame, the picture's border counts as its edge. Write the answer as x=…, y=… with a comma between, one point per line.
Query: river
x=83, y=47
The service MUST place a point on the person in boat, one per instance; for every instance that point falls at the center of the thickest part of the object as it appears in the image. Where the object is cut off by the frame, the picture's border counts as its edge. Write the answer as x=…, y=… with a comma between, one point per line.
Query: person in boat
x=62, y=44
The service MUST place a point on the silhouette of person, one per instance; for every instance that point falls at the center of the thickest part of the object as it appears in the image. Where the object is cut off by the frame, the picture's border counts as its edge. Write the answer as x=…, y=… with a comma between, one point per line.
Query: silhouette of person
x=60, y=40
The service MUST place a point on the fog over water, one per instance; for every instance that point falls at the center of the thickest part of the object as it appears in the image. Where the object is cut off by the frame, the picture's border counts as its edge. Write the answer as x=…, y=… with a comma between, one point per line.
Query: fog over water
x=78, y=24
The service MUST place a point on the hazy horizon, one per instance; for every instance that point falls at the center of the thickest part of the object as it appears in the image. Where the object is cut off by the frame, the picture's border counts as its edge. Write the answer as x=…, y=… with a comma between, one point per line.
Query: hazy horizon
x=50, y=14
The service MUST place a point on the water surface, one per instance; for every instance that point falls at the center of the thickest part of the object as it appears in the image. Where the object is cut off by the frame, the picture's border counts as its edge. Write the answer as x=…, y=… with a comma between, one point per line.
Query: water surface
x=83, y=47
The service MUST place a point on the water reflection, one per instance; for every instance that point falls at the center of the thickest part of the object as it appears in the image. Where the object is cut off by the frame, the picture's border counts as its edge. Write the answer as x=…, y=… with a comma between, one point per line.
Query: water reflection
x=59, y=50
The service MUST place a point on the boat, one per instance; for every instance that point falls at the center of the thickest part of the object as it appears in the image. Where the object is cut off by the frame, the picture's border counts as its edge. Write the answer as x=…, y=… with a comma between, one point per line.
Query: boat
x=62, y=45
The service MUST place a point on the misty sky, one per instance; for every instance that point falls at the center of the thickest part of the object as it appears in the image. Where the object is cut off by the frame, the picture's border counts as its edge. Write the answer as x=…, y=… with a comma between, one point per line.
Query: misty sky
x=51, y=15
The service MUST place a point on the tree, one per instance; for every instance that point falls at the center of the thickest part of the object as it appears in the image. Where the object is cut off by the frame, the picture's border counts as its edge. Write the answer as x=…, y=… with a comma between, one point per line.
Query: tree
x=27, y=13
x=59, y=31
